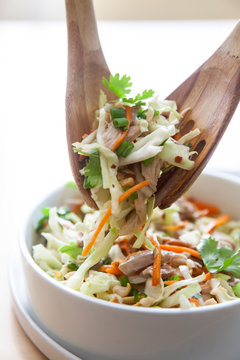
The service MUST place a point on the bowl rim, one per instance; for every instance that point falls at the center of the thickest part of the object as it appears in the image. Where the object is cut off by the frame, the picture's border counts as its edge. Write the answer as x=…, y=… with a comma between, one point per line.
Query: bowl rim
x=27, y=256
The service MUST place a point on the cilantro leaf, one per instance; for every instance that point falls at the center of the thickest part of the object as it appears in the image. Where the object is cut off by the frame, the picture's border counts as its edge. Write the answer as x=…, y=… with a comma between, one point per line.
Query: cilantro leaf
x=146, y=94
x=124, y=281
x=72, y=249
x=93, y=172
x=219, y=259
x=119, y=86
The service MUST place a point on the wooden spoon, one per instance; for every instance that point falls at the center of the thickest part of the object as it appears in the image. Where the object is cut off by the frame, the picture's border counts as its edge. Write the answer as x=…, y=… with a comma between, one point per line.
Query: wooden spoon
x=212, y=92
x=86, y=67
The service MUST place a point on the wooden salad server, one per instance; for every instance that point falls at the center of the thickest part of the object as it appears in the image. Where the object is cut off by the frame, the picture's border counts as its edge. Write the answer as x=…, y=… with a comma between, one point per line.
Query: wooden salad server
x=86, y=67
x=212, y=92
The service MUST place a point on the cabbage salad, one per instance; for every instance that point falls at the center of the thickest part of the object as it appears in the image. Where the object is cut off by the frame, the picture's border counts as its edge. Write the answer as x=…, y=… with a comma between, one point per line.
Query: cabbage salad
x=191, y=248
x=127, y=251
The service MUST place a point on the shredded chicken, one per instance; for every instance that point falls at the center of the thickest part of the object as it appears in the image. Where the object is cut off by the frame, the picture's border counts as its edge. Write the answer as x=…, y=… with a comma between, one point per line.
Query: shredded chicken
x=110, y=135
x=137, y=261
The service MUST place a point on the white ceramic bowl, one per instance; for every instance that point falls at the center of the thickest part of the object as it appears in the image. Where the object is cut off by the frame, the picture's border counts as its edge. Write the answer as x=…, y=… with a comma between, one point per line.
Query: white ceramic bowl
x=95, y=329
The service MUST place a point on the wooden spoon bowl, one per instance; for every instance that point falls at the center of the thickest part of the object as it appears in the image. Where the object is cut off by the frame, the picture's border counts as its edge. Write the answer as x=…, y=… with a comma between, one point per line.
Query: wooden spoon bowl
x=212, y=92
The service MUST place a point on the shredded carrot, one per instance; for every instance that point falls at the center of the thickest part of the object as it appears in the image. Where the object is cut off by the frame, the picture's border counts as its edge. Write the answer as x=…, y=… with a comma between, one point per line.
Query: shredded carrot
x=212, y=210
x=170, y=282
x=120, y=139
x=221, y=220
x=99, y=228
x=117, y=262
x=156, y=278
x=176, y=227
x=134, y=188
x=194, y=301
x=110, y=269
x=76, y=208
x=108, y=213
x=208, y=276
x=46, y=223
x=180, y=249
x=124, y=246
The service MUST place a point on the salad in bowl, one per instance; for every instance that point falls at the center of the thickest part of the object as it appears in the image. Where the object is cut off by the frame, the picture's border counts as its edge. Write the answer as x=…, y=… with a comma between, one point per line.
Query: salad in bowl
x=127, y=251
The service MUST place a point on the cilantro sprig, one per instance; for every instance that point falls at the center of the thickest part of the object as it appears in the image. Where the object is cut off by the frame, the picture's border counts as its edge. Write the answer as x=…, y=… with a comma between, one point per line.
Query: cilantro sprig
x=121, y=86
x=219, y=259
x=93, y=172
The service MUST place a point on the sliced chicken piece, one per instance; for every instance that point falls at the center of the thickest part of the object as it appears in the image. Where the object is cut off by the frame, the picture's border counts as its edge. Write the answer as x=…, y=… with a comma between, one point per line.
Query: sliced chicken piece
x=137, y=261
x=133, y=133
x=111, y=134
x=188, y=211
x=152, y=172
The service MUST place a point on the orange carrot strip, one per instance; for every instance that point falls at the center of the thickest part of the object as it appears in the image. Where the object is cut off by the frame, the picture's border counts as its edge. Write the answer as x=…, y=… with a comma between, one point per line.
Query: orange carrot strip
x=180, y=249
x=134, y=188
x=106, y=216
x=221, y=220
x=170, y=282
x=176, y=227
x=45, y=223
x=212, y=209
x=124, y=246
x=99, y=228
x=76, y=208
x=110, y=269
x=117, y=262
x=156, y=278
x=208, y=276
x=120, y=139
x=194, y=301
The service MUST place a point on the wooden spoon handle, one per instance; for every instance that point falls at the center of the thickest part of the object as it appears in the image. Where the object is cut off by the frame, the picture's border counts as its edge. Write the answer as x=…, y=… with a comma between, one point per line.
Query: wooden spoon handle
x=231, y=45
x=86, y=67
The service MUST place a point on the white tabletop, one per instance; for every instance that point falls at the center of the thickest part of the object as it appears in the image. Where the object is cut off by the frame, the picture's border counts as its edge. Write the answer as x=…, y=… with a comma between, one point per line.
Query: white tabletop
x=33, y=152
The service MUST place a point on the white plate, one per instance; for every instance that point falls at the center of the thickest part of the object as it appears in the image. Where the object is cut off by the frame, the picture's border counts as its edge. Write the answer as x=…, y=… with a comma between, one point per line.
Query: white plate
x=48, y=346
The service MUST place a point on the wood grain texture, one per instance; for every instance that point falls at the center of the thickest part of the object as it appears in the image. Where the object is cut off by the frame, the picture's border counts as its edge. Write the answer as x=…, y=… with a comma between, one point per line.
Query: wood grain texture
x=86, y=67
x=213, y=93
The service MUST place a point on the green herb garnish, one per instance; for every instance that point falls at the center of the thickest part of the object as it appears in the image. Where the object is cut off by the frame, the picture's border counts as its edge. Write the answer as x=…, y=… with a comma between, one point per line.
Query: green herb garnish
x=219, y=259
x=107, y=261
x=119, y=86
x=120, y=122
x=148, y=161
x=72, y=266
x=117, y=113
x=72, y=249
x=124, y=281
x=175, y=277
x=93, y=172
x=124, y=148
x=133, y=196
